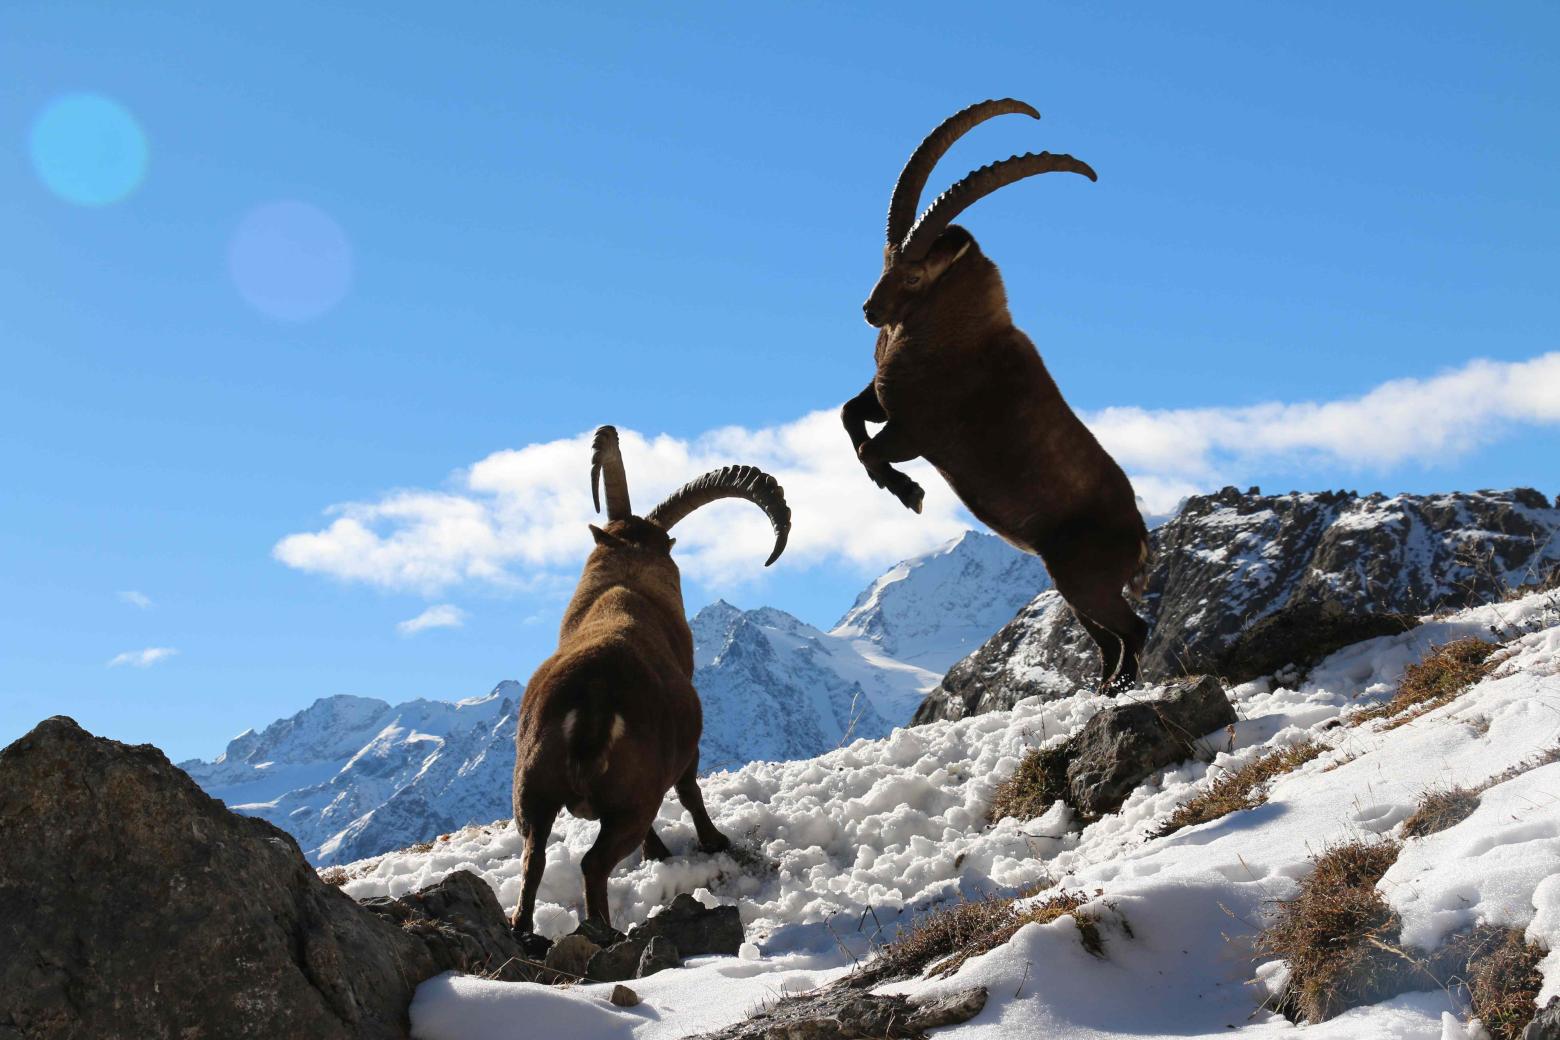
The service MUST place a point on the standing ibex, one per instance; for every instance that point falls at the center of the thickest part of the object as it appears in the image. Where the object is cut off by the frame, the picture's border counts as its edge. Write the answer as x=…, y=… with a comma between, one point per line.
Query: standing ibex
x=959, y=385
x=610, y=721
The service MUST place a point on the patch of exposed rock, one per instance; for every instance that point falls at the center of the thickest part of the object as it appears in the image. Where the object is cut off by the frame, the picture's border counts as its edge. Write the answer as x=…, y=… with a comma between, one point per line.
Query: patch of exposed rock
x=1123, y=745
x=139, y=907
x=840, y=1013
x=1243, y=584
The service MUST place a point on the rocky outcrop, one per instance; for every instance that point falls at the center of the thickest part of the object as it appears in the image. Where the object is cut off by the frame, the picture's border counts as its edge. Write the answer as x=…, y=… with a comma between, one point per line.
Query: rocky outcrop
x=1123, y=745
x=1244, y=583
x=839, y=1013
x=460, y=923
x=694, y=928
x=136, y=906
x=1546, y=1024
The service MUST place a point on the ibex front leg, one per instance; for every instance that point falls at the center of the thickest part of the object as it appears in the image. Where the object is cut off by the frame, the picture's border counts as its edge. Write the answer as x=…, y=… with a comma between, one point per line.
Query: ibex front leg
x=877, y=452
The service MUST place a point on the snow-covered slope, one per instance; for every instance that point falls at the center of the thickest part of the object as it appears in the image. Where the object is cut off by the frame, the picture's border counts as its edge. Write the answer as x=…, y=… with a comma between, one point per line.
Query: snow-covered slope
x=842, y=849
x=933, y=609
x=353, y=776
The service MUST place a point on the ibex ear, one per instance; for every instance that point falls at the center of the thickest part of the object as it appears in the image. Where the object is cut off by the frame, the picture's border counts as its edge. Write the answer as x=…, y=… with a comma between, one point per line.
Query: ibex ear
x=670, y=542
x=946, y=254
x=603, y=538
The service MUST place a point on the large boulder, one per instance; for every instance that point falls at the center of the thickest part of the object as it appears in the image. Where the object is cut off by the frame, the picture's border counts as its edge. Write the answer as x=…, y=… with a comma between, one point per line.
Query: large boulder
x=1123, y=745
x=1243, y=583
x=694, y=928
x=841, y=1013
x=136, y=906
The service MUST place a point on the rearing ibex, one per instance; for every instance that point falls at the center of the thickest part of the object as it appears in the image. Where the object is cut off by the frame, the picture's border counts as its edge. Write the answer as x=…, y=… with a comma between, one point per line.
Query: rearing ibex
x=959, y=385
x=610, y=721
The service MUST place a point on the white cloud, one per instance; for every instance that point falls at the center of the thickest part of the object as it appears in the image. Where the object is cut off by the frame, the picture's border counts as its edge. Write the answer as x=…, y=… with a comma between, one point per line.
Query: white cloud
x=443, y=615
x=517, y=518
x=136, y=599
x=142, y=658
x=1405, y=420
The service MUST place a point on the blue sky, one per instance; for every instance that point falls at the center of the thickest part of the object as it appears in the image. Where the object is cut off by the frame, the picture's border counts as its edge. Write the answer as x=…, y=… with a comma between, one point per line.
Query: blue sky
x=508, y=225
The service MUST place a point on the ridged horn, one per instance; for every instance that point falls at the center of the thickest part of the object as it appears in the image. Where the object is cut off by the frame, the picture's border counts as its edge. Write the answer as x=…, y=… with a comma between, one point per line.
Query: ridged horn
x=606, y=460
x=747, y=482
x=902, y=205
x=975, y=186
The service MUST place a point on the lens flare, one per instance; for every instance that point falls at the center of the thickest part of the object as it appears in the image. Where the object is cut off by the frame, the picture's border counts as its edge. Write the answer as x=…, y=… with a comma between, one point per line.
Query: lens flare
x=88, y=149
x=290, y=261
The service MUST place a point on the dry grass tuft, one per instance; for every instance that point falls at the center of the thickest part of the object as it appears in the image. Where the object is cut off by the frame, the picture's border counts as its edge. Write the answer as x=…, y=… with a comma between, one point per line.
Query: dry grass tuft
x=1446, y=671
x=1439, y=810
x=944, y=939
x=334, y=876
x=1501, y=974
x=1341, y=941
x=1040, y=780
x=1337, y=935
x=1245, y=788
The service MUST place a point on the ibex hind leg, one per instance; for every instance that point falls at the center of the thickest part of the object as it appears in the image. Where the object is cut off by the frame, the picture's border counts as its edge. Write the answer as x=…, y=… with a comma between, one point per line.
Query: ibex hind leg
x=535, y=824
x=619, y=834
x=1091, y=574
x=654, y=847
x=710, y=839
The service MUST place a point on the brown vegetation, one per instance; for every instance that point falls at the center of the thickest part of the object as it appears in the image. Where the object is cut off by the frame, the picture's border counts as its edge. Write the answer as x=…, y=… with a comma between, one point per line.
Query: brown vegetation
x=1341, y=941
x=1502, y=978
x=1337, y=933
x=1041, y=778
x=1446, y=672
x=1439, y=810
x=942, y=940
x=1245, y=788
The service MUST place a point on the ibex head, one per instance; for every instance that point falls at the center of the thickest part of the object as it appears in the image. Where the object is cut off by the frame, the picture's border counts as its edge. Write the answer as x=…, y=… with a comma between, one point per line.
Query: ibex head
x=920, y=251
x=649, y=534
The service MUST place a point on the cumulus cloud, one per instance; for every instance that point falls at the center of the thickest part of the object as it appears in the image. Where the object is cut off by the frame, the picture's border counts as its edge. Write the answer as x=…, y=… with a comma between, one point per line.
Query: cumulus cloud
x=517, y=518
x=1405, y=420
x=442, y=615
x=136, y=599
x=142, y=658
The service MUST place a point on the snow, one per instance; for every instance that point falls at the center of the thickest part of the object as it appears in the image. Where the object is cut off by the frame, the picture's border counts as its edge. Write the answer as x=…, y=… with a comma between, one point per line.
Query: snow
x=842, y=849
x=354, y=776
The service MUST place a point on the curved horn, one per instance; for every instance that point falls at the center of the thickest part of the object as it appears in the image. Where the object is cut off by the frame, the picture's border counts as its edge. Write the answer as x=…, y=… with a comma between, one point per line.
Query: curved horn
x=912, y=179
x=747, y=482
x=977, y=185
x=605, y=458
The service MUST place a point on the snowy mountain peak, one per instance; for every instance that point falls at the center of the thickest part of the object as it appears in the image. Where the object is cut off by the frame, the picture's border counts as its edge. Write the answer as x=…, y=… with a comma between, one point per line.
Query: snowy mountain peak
x=931, y=610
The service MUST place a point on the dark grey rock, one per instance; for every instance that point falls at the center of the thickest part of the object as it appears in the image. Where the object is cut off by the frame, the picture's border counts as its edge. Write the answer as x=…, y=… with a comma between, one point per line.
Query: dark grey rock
x=694, y=928
x=1123, y=745
x=1301, y=635
x=601, y=934
x=136, y=906
x=1546, y=1024
x=1229, y=561
x=840, y=1013
x=460, y=922
x=660, y=954
x=572, y=955
x=617, y=962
